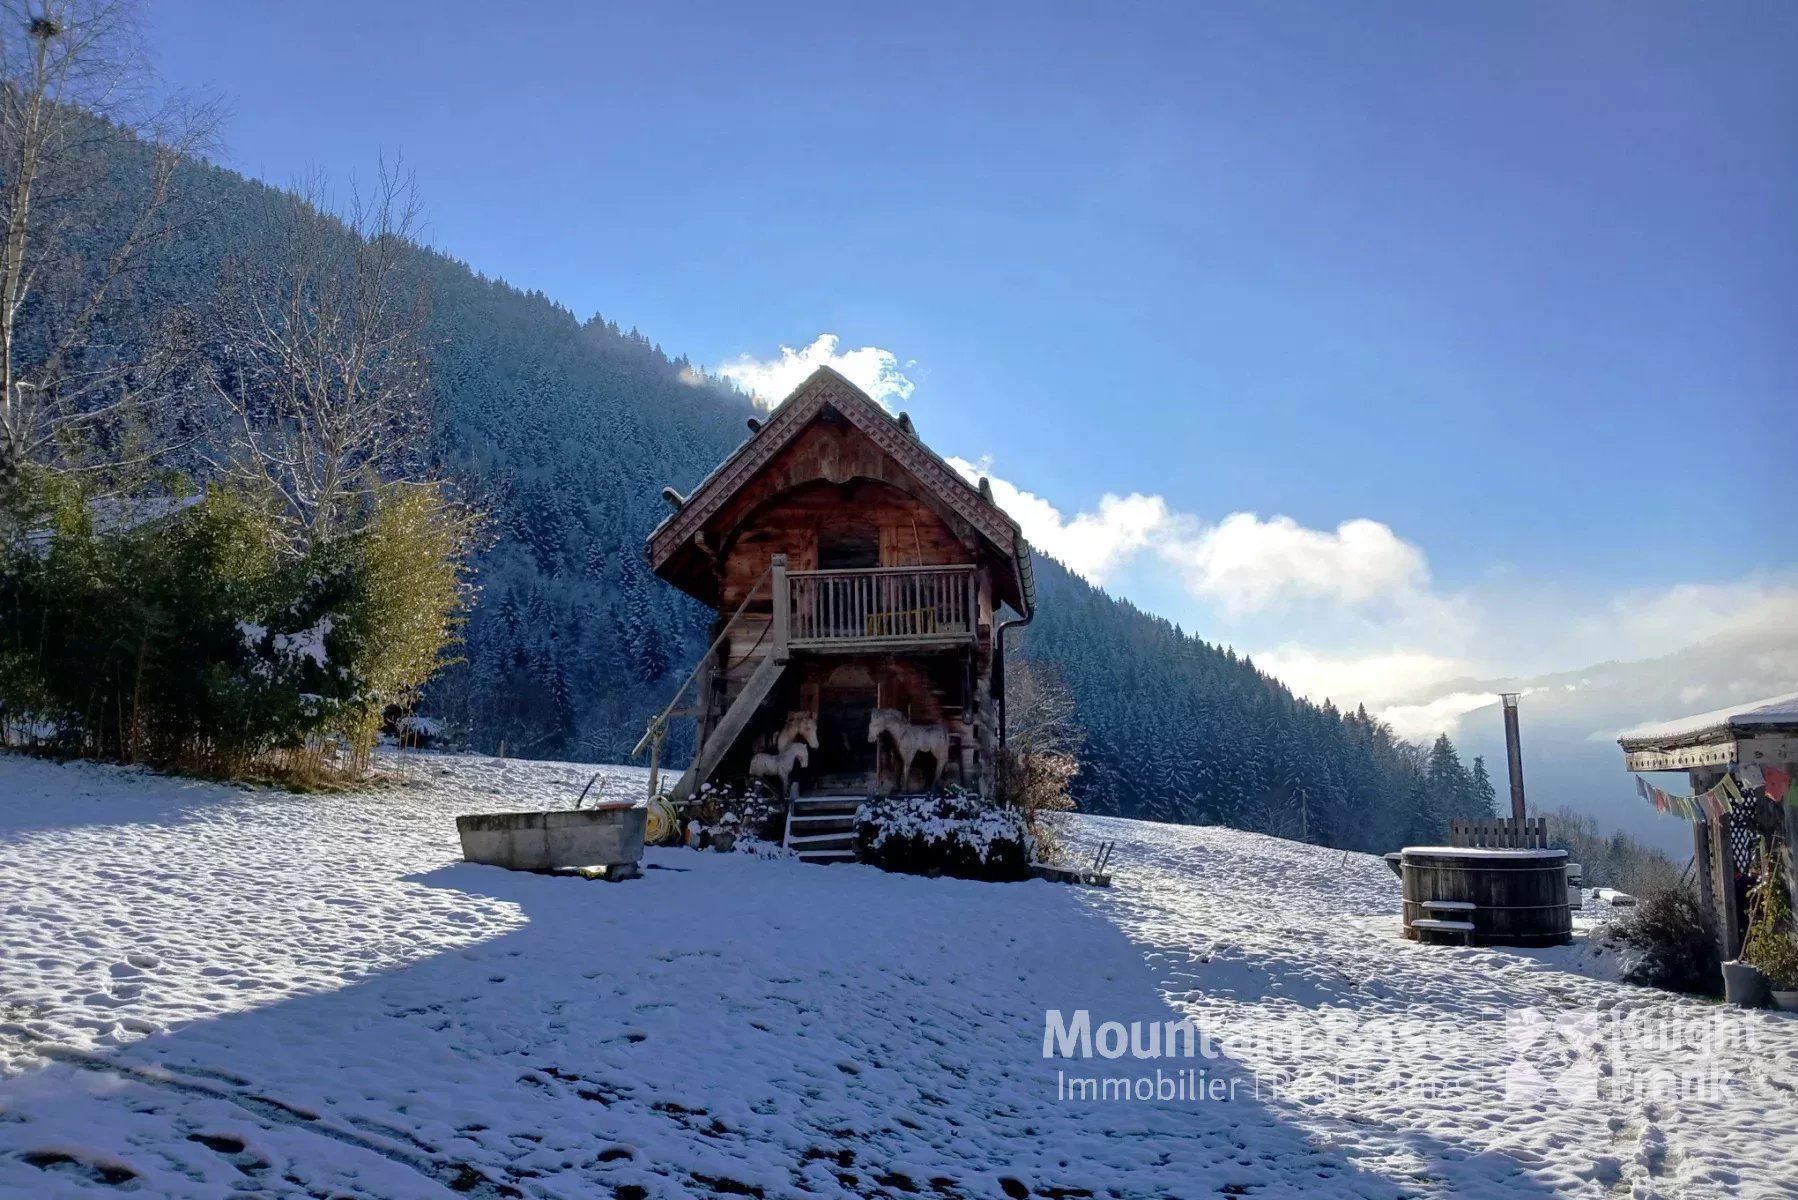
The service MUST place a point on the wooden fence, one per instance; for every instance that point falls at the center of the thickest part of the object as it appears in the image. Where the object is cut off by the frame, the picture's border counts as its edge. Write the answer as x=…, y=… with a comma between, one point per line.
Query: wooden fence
x=1499, y=833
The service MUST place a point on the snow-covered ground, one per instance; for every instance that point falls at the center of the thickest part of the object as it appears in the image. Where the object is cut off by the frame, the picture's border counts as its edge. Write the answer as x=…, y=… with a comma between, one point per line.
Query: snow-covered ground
x=212, y=992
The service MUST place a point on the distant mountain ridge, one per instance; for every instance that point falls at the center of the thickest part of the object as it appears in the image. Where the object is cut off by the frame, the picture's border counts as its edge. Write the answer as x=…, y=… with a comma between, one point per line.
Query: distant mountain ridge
x=1570, y=722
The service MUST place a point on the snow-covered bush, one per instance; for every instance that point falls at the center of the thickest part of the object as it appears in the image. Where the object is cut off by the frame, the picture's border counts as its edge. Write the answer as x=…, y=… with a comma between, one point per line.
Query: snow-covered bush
x=761, y=848
x=1674, y=942
x=955, y=833
x=206, y=642
x=752, y=809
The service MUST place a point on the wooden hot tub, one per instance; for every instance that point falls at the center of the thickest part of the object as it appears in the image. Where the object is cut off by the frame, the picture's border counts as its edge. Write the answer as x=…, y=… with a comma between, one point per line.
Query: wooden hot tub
x=1483, y=897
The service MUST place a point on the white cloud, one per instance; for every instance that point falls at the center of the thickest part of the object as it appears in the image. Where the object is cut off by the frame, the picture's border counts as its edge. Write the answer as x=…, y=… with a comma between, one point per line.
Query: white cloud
x=875, y=371
x=1649, y=621
x=1250, y=565
x=1352, y=614
x=1244, y=563
x=1378, y=680
x=1092, y=544
x=1422, y=722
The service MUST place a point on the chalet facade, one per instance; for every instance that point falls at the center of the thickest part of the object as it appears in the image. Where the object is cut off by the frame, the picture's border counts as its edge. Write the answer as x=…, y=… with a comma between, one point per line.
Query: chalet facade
x=862, y=588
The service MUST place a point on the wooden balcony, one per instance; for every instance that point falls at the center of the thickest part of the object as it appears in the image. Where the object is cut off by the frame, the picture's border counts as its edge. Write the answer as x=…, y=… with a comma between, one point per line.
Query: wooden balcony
x=880, y=608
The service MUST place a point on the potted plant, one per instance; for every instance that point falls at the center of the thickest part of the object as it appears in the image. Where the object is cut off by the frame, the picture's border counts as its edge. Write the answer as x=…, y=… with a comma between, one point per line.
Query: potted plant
x=1772, y=945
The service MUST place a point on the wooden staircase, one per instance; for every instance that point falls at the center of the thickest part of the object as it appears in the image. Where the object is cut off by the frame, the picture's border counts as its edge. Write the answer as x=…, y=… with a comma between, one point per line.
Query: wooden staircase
x=755, y=690
x=821, y=829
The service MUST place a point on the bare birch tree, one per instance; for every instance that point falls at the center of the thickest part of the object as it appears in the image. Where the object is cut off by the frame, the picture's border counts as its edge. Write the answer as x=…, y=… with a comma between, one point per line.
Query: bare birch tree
x=74, y=86
x=325, y=369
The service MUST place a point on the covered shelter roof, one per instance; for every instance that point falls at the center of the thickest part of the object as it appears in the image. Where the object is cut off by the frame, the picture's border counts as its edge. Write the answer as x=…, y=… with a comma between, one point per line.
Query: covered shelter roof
x=685, y=534
x=1755, y=731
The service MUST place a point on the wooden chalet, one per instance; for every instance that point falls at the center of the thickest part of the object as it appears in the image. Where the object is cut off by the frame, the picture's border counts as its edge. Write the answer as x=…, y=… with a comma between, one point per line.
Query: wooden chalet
x=856, y=575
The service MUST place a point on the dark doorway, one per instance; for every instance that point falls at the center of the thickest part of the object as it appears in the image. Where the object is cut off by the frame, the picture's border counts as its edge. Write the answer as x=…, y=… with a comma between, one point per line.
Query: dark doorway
x=845, y=759
x=848, y=547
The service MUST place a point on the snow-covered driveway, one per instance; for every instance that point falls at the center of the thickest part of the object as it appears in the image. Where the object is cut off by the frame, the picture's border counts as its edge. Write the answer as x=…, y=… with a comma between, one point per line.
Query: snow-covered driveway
x=210, y=992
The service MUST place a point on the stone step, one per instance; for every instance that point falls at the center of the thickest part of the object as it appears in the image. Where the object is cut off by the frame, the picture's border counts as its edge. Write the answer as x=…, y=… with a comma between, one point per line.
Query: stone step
x=821, y=841
x=822, y=823
x=826, y=804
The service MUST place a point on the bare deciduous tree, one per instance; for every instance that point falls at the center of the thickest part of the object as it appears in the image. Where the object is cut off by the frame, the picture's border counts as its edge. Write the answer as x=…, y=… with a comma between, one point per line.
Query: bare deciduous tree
x=325, y=369
x=1039, y=710
x=73, y=81
x=1040, y=758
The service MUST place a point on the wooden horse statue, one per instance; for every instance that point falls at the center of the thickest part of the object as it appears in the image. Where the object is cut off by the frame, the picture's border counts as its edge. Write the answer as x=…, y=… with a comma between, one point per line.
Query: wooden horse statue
x=779, y=765
x=911, y=740
x=800, y=727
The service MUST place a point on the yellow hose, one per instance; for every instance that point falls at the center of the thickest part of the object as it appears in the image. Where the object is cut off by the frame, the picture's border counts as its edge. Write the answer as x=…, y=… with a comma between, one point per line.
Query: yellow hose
x=660, y=824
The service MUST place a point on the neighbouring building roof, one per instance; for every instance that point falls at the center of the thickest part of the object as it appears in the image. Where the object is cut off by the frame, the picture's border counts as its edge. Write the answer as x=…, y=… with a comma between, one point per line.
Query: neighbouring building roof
x=1771, y=715
x=115, y=515
x=826, y=388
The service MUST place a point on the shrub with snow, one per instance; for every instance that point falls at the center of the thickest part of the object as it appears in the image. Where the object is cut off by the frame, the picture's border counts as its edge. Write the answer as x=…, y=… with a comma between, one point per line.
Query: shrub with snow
x=751, y=810
x=1675, y=943
x=209, y=642
x=761, y=848
x=950, y=834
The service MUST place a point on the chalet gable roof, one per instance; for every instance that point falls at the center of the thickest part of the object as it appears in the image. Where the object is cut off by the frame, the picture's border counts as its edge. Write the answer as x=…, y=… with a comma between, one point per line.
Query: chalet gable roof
x=825, y=387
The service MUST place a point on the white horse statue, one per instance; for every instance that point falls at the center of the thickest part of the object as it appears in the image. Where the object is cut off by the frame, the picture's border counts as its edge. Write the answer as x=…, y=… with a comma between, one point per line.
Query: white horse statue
x=779, y=765
x=800, y=727
x=911, y=740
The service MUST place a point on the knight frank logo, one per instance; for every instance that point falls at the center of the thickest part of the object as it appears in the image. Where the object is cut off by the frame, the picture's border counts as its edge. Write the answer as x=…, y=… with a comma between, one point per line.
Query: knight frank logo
x=1540, y=1046
x=1654, y=1052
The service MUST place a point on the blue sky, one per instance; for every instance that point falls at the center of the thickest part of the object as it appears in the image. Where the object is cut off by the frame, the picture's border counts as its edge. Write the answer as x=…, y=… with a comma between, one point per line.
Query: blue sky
x=1509, y=286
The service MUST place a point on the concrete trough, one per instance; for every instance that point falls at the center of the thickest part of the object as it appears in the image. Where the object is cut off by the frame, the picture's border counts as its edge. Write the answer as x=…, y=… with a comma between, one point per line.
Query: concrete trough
x=608, y=836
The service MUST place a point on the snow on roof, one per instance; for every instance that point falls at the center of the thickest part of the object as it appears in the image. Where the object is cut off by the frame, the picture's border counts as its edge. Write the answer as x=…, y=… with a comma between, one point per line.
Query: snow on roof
x=1772, y=712
x=1486, y=852
x=121, y=514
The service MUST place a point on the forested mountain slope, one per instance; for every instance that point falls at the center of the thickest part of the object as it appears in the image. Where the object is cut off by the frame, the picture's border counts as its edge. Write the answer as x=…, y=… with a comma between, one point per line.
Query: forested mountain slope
x=1181, y=730
x=568, y=429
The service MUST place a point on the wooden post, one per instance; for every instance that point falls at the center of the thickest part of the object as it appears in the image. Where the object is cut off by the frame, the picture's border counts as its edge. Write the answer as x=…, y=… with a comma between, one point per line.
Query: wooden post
x=783, y=607
x=1702, y=833
x=1723, y=876
x=1720, y=858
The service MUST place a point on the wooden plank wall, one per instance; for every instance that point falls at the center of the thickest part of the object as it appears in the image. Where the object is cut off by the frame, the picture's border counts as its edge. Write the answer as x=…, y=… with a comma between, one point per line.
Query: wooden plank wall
x=1498, y=833
x=909, y=533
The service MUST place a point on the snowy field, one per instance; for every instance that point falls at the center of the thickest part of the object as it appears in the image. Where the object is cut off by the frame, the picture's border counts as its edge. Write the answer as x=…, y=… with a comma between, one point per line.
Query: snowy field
x=211, y=992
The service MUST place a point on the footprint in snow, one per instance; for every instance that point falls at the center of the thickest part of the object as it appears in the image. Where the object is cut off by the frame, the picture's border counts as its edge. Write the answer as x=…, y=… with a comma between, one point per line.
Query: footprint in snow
x=232, y=1150
x=113, y=1174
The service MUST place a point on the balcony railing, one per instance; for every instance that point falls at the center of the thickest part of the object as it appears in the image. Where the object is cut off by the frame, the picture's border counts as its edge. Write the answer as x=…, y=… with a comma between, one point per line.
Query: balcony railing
x=877, y=607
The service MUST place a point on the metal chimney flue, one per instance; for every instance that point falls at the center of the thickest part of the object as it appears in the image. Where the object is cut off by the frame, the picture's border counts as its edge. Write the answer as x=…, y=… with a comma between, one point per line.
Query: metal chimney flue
x=1514, y=754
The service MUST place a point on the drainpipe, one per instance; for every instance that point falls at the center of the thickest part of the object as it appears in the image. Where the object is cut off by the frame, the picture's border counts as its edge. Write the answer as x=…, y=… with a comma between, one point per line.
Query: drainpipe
x=999, y=642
